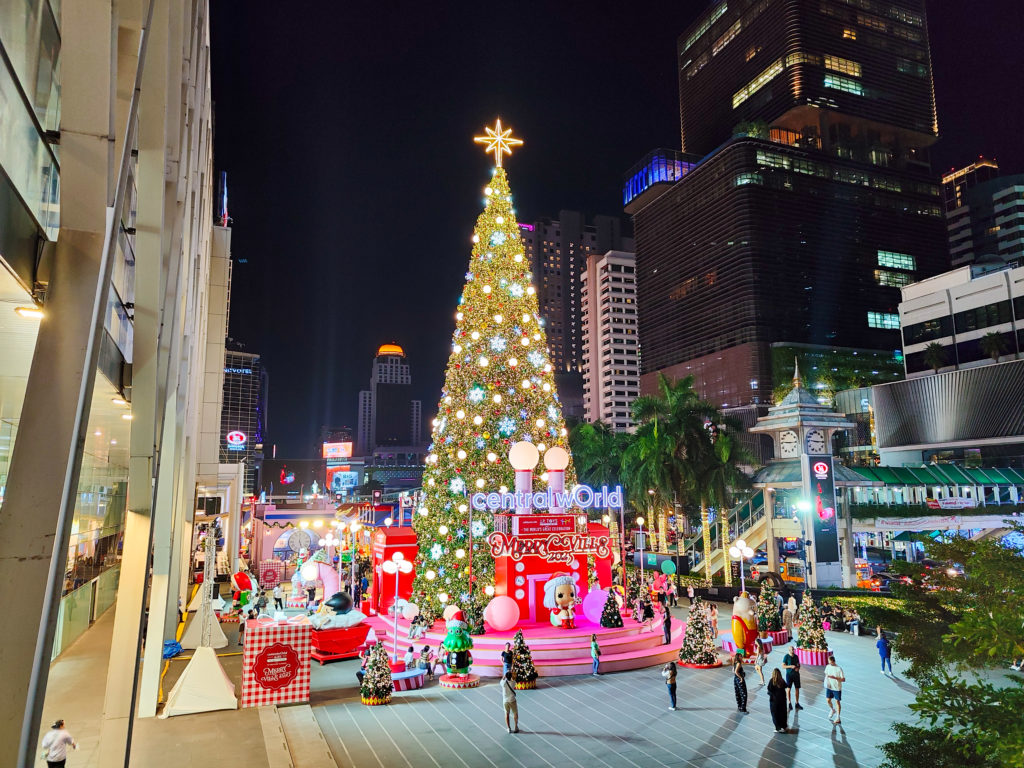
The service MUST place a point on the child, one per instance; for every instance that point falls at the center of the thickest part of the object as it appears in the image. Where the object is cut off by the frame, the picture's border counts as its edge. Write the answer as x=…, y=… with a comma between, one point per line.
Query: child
x=410, y=658
x=426, y=662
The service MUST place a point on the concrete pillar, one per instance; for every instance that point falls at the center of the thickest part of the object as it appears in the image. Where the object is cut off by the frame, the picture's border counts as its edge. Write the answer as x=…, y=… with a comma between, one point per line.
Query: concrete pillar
x=45, y=464
x=772, y=546
x=847, y=545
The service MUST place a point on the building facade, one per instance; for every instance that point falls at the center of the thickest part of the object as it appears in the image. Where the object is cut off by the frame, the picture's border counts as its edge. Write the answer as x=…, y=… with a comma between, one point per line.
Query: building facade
x=611, y=352
x=243, y=419
x=389, y=417
x=984, y=215
x=113, y=278
x=804, y=199
x=964, y=318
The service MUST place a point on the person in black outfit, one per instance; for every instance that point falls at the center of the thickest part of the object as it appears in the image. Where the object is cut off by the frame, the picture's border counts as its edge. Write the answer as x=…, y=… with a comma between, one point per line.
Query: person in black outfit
x=777, y=701
x=666, y=625
x=739, y=682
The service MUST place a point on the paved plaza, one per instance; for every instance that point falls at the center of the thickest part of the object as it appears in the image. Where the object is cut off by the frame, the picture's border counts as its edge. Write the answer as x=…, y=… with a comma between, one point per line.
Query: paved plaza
x=617, y=719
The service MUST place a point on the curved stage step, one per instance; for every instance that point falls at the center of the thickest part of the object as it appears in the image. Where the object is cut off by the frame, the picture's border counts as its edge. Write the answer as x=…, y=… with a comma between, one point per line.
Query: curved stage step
x=555, y=651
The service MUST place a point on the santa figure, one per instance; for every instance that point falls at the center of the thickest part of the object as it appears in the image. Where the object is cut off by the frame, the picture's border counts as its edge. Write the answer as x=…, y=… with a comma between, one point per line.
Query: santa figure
x=245, y=588
x=560, y=599
x=744, y=625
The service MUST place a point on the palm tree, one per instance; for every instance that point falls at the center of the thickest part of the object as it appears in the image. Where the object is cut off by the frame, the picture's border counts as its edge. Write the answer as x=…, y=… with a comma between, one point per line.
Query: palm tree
x=934, y=356
x=994, y=345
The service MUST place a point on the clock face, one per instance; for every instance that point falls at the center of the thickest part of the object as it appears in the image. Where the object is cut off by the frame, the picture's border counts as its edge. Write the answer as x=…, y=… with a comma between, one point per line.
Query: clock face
x=816, y=442
x=299, y=540
x=789, y=444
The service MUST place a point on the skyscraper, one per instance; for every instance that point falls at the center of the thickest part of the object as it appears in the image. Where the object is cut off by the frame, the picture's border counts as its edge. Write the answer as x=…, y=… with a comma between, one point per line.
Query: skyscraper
x=803, y=203
x=388, y=415
x=243, y=419
x=984, y=214
x=611, y=352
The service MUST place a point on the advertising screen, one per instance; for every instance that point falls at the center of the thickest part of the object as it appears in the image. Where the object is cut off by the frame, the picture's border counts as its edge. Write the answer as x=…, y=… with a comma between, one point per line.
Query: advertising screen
x=337, y=450
x=823, y=508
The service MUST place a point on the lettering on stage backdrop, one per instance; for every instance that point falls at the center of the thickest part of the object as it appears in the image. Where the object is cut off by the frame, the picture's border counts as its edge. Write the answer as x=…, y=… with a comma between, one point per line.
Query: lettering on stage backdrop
x=555, y=548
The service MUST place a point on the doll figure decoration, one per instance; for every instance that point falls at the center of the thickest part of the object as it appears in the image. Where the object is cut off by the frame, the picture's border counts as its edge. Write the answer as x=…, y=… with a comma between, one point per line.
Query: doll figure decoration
x=560, y=599
x=456, y=645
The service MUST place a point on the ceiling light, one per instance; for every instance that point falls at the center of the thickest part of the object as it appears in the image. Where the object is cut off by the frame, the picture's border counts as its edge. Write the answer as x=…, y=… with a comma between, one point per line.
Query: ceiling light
x=32, y=313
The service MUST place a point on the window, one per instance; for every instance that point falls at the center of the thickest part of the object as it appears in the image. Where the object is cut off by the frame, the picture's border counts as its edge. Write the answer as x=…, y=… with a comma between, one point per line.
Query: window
x=748, y=178
x=911, y=68
x=845, y=66
x=844, y=84
x=849, y=34
x=893, y=279
x=896, y=260
x=757, y=83
x=883, y=320
x=982, y=317
x=725, y=39
x=705, y=25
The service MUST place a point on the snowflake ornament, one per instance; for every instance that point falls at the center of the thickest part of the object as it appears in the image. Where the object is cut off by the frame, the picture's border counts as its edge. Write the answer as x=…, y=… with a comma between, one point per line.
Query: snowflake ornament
x=457, y=485
x=436, y=551
x=506, y=426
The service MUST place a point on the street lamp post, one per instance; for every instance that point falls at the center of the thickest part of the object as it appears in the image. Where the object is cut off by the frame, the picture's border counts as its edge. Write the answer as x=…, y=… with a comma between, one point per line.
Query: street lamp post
x=804, y=507
x=397, y=564
x=640, y=522
x=740, y=551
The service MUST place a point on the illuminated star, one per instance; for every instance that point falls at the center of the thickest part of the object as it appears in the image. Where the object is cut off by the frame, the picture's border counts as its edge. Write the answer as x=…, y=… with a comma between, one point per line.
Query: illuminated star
x=498, y=141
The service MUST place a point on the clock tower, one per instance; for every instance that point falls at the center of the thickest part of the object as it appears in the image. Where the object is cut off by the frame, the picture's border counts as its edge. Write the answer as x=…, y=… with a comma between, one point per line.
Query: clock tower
x=802, y=430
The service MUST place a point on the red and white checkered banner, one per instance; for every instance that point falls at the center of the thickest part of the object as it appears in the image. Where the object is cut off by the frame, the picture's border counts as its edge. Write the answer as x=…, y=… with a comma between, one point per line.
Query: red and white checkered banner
x=275, y=664
x=271, y=573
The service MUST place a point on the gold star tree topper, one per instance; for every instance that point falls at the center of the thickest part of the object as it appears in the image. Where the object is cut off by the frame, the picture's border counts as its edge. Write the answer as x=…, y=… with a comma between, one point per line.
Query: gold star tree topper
x=499, y=141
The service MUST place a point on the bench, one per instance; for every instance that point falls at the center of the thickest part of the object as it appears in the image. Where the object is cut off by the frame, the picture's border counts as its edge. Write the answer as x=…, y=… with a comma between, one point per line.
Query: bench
x=408, y=680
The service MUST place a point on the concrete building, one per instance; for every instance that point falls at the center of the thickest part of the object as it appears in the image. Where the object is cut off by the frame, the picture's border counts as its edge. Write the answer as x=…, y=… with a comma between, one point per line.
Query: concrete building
x=801, y=201
x=973, y=313
x=984, y=215
x=112, y=370
x=389, y=418
x=611, y=352
x=244, y=416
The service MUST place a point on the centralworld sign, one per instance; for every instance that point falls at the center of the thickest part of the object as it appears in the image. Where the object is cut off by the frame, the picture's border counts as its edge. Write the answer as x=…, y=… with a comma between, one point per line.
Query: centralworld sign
x=582, y=496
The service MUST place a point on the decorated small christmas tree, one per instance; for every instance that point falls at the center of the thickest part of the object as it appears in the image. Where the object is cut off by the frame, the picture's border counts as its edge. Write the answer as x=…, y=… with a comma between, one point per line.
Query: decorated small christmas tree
x=610, y=616
x=768, y=619
x=474, y=614
x=499, y=389
x=698, y=646
x=377, y=684
x=812, y=636
x=524, y=674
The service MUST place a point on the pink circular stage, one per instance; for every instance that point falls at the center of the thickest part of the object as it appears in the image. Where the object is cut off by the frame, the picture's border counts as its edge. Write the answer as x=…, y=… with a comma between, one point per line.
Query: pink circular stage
x=555, y=651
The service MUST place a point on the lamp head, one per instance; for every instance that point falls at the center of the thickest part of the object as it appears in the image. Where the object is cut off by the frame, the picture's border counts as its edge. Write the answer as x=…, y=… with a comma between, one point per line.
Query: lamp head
x=523, y=455
x=556, y=458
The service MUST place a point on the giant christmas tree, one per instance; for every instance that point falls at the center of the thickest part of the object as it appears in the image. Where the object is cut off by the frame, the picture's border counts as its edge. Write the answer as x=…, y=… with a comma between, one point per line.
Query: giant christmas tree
x=499, y=389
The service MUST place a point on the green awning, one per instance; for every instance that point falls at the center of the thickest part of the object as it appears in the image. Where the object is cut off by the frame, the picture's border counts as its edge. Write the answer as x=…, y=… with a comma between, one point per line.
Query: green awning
x=926, y=477
x=888, y=475
x=867, y=474
x=1013, y=475
x=955, y=474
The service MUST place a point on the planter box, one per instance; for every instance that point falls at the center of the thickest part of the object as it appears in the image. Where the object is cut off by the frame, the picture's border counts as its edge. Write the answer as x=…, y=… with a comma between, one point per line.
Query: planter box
x=699, y=666
x=527, y=685
x=780, y=637
x=812, y=658
x=375, y=701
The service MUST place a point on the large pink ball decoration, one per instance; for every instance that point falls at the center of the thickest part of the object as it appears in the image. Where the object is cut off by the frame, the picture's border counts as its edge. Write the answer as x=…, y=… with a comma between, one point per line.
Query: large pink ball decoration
x=502, y=613
x=410, y=611
x=593, y=605
x=450, y=611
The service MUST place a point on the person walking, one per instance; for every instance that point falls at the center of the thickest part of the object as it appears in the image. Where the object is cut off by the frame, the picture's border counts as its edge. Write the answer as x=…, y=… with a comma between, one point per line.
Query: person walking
x=787, y=620
x=669, y=673
x=777, y=691
x=55, y=745
x=760, y=658
x=508, y=700
x=791, y=663
x=834, y=679
x=673, y=594
x=689, y=593
x=884, y=650
x=714, y=621
x=278, y=598
x=595, y=654
x=739, y=683
x=666, y=625
x=311, y=598
x=791, y=604
x=506, y=659
x=779, y=604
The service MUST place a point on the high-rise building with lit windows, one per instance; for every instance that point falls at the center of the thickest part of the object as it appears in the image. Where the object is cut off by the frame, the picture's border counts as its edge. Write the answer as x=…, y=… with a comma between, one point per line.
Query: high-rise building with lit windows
x=984, y=215
x=389, y=418
x=801, y=202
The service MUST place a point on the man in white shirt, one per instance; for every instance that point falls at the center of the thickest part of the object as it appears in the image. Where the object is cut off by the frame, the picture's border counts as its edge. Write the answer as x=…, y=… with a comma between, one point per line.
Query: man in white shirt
x=55, y=745
x=834, y=680
x=508, y=699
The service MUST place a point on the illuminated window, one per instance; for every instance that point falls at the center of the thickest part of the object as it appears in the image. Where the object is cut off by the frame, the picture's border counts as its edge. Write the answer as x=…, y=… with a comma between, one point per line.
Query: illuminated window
x=850, y=34
x=892, y=279
x=705, y=25
x=845, y=66
x=911, y=68
x=886, y=320
x=757, y=83
x=845, y=84
x=801, y=57
x=725, y=39
x=895, y=260
x=743, y=179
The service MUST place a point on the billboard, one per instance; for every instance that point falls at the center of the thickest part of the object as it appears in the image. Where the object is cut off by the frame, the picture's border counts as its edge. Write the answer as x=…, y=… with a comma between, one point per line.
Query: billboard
x=337, y=450
x=822, y=493
x=341, y=478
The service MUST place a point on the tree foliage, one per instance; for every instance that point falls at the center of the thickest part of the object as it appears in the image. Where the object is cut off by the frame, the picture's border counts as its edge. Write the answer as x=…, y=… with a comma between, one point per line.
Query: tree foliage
x=958, y=632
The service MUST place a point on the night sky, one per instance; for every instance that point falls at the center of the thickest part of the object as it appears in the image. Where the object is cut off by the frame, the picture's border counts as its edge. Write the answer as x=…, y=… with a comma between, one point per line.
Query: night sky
x=346, y=132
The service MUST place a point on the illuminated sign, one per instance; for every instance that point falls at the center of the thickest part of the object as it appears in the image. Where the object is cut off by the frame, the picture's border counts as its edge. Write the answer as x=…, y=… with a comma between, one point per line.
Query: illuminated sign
x=555, y=548
x=582, y=496
x=337, y=450
x=823, y=493
x=236, y=440
x=243, y=371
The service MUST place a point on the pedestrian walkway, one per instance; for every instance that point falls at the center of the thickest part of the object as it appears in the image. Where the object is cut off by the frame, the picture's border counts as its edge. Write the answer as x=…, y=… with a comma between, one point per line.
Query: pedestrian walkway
x=616, y=719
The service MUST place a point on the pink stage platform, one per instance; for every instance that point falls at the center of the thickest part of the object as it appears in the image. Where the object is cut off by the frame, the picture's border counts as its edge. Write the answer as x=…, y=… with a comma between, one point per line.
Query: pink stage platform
x=555, y=651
